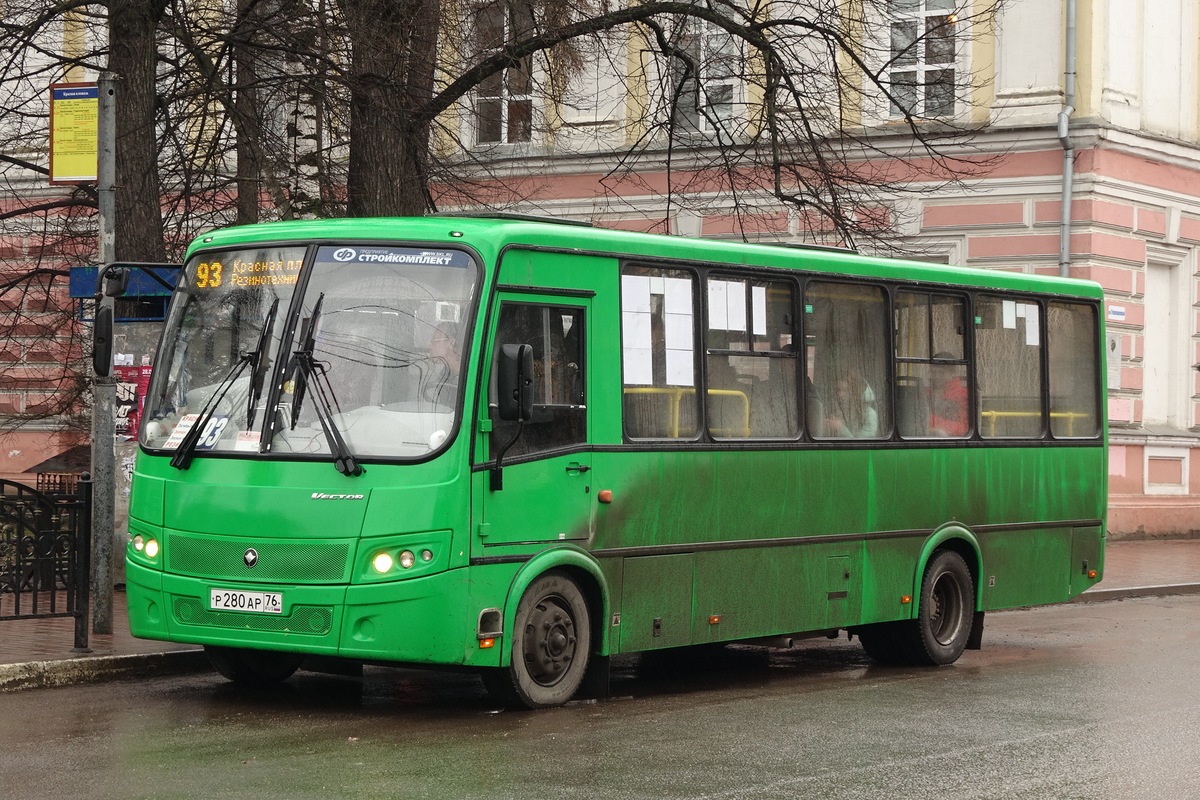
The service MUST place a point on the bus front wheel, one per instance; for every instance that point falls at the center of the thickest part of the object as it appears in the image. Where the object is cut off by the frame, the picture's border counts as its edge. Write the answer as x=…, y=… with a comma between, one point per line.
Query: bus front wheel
x=253, y=667
x=550, y=646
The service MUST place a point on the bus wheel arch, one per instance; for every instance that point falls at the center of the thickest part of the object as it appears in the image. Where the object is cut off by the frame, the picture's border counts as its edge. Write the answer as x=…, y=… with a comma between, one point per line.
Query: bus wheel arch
x=944, y=619
x=956, y=539
x=553, y=621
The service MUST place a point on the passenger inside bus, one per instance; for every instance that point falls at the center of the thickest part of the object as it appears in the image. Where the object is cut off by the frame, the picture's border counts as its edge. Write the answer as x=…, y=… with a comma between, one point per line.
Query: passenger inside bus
x=947, y=399
x=439, y=382
x=850, y=412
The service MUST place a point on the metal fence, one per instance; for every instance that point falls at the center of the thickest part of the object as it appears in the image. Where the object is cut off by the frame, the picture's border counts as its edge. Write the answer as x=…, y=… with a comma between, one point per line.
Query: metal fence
x=45, y=551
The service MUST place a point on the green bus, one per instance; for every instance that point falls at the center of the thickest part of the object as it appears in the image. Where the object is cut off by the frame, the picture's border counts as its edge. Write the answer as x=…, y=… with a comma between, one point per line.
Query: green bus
x=523, y=447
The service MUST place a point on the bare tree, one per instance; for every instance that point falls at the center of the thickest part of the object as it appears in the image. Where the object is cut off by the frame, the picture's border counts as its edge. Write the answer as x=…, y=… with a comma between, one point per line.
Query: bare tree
x=247, y=110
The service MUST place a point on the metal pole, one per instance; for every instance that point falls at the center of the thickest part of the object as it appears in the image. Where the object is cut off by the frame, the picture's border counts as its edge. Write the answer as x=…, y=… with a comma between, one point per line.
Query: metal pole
x=104, y=387
x=1064, y=138
x=83, y=563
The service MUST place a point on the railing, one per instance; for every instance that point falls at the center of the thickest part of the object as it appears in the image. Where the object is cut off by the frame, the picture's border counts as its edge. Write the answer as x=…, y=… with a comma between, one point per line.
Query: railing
x=45, y=553
x=991, y=419
x=673, y=395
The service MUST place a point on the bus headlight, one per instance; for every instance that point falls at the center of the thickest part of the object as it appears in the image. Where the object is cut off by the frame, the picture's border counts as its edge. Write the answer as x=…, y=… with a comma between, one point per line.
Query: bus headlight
x=382, y=563
x=407, y=559
x=145, y=546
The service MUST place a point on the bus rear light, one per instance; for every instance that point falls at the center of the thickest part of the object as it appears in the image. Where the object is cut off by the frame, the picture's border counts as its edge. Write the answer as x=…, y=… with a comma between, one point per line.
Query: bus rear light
x=407, y=559
x=382, y=563
x=905, y=599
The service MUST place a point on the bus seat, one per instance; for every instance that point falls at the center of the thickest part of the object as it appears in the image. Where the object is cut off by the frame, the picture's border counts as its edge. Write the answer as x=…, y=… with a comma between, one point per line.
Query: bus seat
x=912, y=407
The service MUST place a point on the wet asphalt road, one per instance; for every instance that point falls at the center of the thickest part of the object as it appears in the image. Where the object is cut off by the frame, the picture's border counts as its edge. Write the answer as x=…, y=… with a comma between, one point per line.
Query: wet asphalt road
x=1084, y=701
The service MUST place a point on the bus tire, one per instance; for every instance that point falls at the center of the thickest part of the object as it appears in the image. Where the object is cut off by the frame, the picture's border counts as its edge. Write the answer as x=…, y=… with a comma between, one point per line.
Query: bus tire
x=882, y=643
x=259, y=668
x=552, y=638
x=943, y=624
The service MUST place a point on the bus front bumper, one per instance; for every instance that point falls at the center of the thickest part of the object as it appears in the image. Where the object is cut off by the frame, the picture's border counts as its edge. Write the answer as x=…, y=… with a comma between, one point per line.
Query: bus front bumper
x=421, y=621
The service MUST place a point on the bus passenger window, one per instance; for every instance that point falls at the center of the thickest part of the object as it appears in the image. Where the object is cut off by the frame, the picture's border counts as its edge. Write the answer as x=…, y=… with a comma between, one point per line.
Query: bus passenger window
x=1008, y=357
x=658, y=353
x=846, y=349
x=932, y=390
x=751, y=359
x=559, y=410
x=1074, y=390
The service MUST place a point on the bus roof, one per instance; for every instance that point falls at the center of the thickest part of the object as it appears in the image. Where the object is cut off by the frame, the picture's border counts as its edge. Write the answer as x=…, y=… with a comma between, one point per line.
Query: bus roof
x=489, y=236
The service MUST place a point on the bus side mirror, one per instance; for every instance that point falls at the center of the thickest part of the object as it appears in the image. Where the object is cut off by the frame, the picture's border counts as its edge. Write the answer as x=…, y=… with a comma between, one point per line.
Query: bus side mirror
x=514, y=383
x=102, y=341
x=116, y=281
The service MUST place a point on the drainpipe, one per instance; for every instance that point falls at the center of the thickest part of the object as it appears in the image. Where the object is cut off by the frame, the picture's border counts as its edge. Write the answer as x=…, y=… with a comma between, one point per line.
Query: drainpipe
x=1064, y=138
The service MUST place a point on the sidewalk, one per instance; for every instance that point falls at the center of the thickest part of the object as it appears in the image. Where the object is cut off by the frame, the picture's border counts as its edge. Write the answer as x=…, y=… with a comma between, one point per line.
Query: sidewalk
x=38, y=652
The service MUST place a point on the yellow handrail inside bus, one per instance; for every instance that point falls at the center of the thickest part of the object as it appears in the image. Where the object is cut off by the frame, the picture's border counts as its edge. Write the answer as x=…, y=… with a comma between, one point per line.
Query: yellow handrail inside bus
x=992, y=417
x=675, y=394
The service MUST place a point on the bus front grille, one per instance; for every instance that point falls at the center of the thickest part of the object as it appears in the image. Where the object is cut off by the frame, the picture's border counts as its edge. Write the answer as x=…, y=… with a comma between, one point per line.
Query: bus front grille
x=310, y=620
x=274, y=559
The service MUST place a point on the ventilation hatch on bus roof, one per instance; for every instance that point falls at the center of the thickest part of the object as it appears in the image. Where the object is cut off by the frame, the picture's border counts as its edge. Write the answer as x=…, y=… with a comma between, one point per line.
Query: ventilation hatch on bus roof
x=506, y=215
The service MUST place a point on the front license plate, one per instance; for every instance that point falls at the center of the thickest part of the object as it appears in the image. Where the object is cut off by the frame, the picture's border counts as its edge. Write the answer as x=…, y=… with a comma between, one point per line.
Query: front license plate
x=257, y=602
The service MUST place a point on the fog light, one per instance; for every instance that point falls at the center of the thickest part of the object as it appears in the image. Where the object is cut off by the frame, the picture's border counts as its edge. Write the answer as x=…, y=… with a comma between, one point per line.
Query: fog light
x=138, y=543
x=382, y=563
x=152, y=548
x=427, y=555
x=407, y=559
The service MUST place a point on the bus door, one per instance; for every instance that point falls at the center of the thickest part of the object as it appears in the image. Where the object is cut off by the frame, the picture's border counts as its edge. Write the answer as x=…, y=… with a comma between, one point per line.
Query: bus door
x=543, y=489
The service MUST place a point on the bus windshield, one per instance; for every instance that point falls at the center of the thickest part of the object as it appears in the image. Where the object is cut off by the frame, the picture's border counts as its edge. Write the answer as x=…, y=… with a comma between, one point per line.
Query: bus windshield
x=372, y=367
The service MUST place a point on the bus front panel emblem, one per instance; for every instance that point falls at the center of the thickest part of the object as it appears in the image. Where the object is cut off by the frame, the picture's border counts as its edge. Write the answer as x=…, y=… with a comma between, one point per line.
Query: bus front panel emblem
x=251, y=557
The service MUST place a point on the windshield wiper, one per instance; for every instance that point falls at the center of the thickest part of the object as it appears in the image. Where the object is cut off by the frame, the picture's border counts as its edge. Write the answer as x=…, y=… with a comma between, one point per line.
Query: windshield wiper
x=258, y=364
x=187, y=448
x=256, y=360
x=306, y=370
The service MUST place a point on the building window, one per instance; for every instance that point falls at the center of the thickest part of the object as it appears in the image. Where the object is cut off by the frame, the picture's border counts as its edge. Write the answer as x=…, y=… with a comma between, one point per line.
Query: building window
x=921, y=70
x=504, y=100
x=706, y=88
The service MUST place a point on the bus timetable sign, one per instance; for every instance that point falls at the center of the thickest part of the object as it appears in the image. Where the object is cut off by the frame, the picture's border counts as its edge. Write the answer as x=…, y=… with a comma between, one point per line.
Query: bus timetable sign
x=74, y=133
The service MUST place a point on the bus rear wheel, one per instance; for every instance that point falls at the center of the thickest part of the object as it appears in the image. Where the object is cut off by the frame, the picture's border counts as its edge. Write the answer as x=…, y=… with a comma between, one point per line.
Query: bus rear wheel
x=259, y=668
x=943, y=623
x=550, y=646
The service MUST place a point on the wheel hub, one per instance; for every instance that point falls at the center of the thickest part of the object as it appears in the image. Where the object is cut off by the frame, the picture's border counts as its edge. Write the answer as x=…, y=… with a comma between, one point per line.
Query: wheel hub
x=549, y=645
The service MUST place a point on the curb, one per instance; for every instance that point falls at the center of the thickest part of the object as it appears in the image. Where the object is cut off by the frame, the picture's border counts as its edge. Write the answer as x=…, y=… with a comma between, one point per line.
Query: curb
x=85, y=669
x=1101, y=595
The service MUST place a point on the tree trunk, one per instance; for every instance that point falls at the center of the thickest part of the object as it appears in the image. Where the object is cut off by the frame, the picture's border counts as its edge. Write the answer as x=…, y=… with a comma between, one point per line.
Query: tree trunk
x=393, y=44
x=138, y=227
x=245, y=103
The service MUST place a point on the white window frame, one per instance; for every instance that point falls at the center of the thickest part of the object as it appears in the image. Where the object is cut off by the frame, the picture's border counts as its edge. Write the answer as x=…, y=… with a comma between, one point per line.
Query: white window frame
x=1168, y=338
x=915, y=62
x=711, y=39
x=506, y=98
